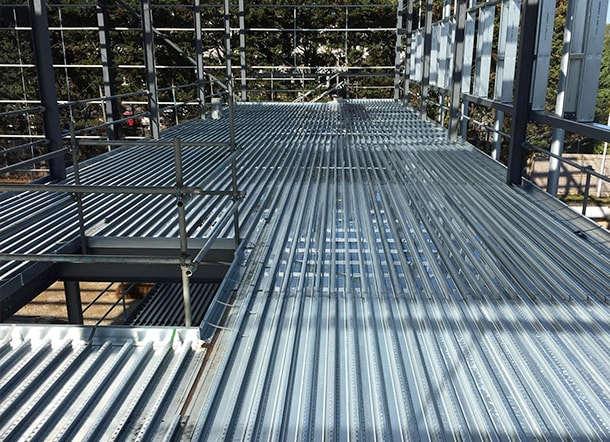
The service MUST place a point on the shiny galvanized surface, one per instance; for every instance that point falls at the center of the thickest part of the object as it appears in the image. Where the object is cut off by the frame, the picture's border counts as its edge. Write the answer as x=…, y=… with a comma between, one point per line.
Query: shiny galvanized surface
x=396, y=288
x=165, y=307
x=81, y=383
x=390, y=285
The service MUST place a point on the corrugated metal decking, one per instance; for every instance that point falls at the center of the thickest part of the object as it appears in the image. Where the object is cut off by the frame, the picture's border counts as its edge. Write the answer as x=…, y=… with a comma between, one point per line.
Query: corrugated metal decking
x=400, y=290
x=390, y=286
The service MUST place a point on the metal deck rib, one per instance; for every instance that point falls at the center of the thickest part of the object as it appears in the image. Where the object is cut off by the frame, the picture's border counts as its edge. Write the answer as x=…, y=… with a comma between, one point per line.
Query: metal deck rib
x=390, y=286
x=164, y=305
x=398, y=289
x=78, y=383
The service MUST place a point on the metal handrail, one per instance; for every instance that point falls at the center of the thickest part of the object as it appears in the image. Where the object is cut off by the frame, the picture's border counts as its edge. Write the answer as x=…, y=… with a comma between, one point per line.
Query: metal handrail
x=30, y=110
x=24, y=146
x=586, y=169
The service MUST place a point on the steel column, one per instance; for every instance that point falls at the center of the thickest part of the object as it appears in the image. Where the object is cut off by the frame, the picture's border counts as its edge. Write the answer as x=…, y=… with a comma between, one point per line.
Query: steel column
x=522, y=106
x=108, y=75
x=399, y=41
x=149, y=62
x=232, y=116
x=242, y=50
x=458, y=66
x=425, y=83
x=199, y=58
x=408, y=55
x=46, y=86
x=558, y=137
x=73, y=302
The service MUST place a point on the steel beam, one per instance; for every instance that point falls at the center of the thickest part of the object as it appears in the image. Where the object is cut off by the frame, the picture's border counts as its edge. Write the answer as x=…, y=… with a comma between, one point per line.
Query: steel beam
x=522, y=105
x=210, y=272
x=24, y=287
x=149, y=61
x=46, y=85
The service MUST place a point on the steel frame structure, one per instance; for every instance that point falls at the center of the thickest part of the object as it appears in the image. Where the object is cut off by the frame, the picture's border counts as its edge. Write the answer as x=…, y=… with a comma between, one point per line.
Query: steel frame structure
x=524, y=74
x=422, y=67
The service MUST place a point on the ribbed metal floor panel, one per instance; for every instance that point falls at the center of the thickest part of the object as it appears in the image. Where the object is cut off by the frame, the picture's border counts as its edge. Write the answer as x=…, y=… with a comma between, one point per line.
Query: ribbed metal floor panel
x=390, y=285
x=79, y=383
x=399, y=290
x=164, y=306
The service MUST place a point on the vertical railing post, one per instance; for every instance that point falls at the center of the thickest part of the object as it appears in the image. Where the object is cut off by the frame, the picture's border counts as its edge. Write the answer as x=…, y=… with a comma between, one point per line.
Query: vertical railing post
x=464, y=123
x=149, y=62
x=527, y=45
x=77, y=196
x=585, y=200
x=496, y=150
x=46, y=86
x=175, y=104
x=180, y=203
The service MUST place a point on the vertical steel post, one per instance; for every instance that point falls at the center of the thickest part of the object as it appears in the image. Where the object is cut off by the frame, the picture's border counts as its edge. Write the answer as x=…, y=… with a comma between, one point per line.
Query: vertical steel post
x=149, y=62
x=458, y=67
x=346, y=48
x=294, y=38
x=242, y=50
x=425, y=83
x=232, y=116
x=78, y=196
x=73, y=302
x=186, y=295
x=111, y=106
x=464, y=124
x=46, y=85
x=180, y=203
x=399, y=41
x=199, y=58
x=408, y=55
x=585, y=199
x=558, y=137
x=600, y=182
x=497, y=144
x=175, y=103
x=522, y=104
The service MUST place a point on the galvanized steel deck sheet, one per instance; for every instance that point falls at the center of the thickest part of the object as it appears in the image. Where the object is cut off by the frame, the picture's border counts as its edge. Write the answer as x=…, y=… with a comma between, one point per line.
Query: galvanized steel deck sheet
x=392, y=286
x=398, y=289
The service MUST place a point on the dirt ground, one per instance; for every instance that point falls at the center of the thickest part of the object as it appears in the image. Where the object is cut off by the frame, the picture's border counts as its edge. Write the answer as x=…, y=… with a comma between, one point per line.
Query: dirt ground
x=50, y=306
